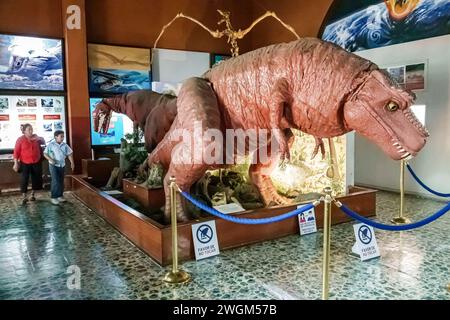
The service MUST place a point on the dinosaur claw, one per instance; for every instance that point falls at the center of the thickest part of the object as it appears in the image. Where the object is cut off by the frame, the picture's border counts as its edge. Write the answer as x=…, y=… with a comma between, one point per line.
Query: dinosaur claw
x=314, y=154
x=319, y=144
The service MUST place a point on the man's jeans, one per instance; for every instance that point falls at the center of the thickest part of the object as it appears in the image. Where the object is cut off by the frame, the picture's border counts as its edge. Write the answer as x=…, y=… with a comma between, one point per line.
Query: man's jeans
x=57, y=186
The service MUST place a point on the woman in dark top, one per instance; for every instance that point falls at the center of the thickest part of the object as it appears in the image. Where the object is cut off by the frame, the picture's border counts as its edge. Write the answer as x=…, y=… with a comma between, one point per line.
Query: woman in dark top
x=27, y=159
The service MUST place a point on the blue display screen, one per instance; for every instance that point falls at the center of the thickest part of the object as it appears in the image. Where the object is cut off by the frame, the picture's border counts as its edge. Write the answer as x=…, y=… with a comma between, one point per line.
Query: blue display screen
x=119, y=126
x=29, y=63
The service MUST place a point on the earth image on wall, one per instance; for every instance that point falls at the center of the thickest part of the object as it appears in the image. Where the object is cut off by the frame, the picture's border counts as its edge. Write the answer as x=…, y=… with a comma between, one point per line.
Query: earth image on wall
x=361, y=25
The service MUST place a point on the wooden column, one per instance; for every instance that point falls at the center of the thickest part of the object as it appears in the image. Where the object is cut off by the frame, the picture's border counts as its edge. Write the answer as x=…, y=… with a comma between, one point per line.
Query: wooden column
x=77, y=81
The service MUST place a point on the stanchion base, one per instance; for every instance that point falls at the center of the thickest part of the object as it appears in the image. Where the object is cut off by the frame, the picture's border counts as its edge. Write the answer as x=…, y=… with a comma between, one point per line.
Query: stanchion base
x=400, y=220
x=177, y=277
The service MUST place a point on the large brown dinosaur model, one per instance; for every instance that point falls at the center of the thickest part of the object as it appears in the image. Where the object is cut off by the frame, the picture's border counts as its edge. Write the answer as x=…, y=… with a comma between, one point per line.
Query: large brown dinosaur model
x=152, y=112
x=309, y=85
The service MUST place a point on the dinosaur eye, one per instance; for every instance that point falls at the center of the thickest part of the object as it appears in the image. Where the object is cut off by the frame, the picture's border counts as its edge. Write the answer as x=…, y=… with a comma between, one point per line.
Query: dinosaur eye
x=392, y=106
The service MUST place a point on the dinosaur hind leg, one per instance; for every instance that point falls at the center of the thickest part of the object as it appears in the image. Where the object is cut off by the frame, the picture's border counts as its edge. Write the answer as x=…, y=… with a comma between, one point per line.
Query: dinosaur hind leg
x=197, y=109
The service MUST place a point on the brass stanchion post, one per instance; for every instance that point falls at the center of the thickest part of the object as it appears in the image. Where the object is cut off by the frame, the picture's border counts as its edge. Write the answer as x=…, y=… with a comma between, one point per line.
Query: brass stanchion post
x=401, y=219
x=326, y=244
x=176, y=275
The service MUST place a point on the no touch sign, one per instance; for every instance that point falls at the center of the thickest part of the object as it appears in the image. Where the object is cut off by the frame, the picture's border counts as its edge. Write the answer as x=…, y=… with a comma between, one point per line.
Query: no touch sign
x=205, y=240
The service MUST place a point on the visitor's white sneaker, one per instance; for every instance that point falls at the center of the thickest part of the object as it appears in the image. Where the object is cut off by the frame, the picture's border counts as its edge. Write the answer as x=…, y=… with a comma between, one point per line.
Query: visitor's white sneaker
x=54, y=201
x=61, y=199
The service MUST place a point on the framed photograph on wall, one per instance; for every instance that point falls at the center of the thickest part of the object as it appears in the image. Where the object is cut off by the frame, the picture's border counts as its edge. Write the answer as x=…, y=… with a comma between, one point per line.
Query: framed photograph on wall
x=411, y=76
x=415, y=76
x=117, y=69
x=31, y=63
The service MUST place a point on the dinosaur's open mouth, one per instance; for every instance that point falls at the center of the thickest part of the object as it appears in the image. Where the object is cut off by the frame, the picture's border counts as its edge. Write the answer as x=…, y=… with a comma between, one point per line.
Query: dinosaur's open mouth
x=102, y=120
x=406, y=150
x=404, y=154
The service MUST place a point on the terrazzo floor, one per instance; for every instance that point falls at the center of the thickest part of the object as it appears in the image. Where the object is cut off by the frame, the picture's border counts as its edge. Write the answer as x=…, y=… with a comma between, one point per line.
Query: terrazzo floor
x=40, y=243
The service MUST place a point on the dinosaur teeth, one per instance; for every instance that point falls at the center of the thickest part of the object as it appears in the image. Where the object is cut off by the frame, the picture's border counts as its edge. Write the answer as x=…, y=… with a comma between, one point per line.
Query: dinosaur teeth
x=407, y=156
x=396, y=144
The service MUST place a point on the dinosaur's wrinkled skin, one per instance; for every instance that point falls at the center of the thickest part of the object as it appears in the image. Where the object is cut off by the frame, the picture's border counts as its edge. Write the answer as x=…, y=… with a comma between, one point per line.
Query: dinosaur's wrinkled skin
x=151, y=111
x=309, y=85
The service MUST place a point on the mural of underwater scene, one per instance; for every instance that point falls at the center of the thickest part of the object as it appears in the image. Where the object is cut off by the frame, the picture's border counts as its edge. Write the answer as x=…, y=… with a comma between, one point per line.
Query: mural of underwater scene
x=116, y=69
x=361, y=25
x=28, y=63
x=118, y=81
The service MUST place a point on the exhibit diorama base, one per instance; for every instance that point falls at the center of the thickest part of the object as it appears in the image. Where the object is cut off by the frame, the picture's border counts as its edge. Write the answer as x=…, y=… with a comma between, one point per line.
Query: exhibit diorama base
x=155, y=238
x=149, y=198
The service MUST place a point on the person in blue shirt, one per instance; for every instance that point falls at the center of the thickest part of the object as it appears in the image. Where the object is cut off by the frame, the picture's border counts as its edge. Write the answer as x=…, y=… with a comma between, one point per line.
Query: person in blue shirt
x=56, y=152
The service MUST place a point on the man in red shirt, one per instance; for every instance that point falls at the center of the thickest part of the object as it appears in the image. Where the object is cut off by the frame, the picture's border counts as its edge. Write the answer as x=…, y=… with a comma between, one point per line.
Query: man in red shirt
x=27, y=159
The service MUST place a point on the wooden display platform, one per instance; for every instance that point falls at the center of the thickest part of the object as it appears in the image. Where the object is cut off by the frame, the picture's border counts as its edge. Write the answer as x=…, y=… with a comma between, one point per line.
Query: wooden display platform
x=149, y=198
x=155, y=238
x=98, y=170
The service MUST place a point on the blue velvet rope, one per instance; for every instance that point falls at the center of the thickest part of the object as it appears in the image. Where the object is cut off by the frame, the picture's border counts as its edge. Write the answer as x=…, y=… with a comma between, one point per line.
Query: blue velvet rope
x=444, y=195
x=221, y=215
x=403, y=227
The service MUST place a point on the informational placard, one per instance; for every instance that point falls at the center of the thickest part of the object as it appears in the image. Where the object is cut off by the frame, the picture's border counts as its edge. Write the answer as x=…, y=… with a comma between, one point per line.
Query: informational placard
x=366, y=244
x=229, y=208
x=119, y=126
x=45, y=114
x=205, y=240
x=307, y=221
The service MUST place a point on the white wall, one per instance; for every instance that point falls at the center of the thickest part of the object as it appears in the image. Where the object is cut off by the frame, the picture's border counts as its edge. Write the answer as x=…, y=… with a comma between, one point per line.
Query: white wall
x=432, y=164
x=175, y=66
x=349, y=159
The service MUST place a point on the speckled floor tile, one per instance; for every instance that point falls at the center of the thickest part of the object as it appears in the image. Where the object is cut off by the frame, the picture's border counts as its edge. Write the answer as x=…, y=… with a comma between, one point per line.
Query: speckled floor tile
x=39, y=242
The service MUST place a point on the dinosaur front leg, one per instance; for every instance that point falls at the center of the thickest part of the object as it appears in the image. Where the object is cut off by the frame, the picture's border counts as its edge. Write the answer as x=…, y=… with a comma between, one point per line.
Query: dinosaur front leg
x=283, y=147
x=280, y=97
x=319, y=144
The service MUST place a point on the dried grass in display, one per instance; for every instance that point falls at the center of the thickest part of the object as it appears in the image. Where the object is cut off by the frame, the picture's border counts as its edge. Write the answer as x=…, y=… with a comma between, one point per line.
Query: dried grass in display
x=303, y=175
